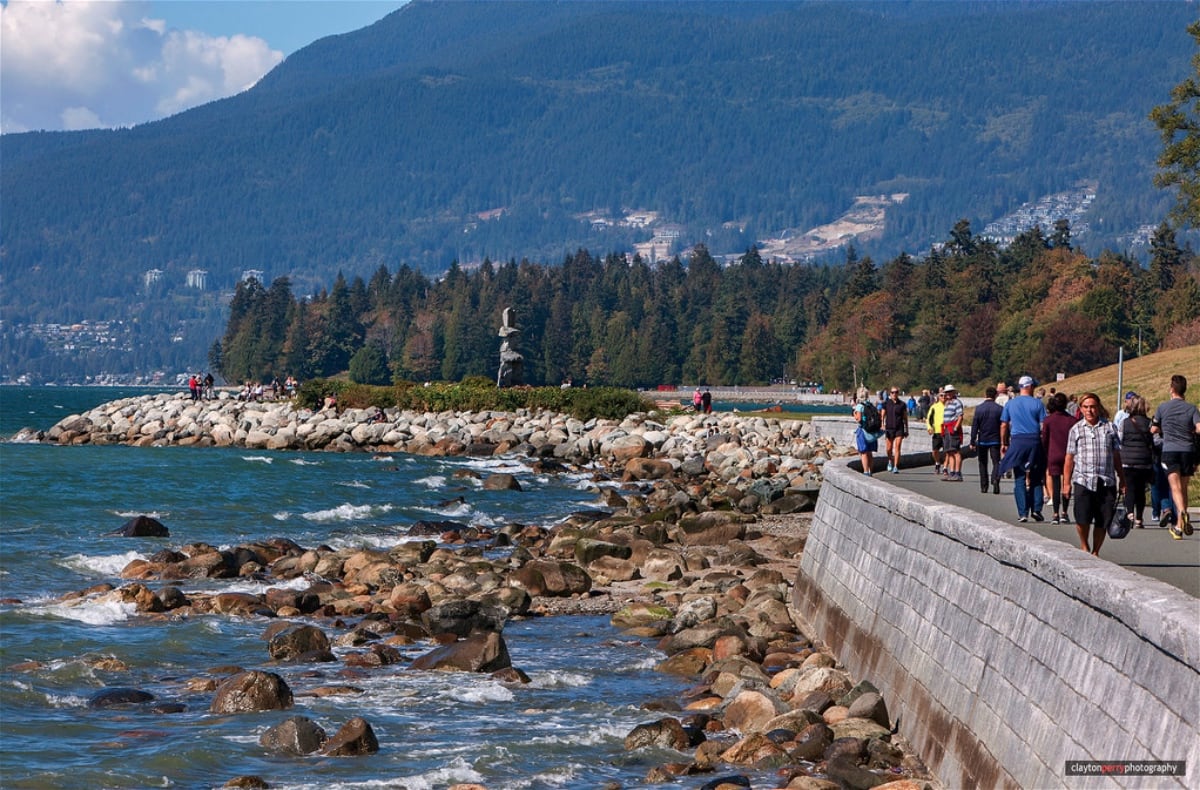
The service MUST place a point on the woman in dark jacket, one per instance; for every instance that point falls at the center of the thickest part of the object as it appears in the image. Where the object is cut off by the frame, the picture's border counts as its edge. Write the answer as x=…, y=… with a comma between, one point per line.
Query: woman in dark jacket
x=1055, y=427
x=1136, y=457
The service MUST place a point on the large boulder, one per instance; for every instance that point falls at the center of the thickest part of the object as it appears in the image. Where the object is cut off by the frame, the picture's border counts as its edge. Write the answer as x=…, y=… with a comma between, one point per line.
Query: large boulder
x=143, y=527
x=501, y=481
x=297, y=735
x=300, y=642
x=545, y=577
x=353, y=739
x=116, y=697
x=479, y=653
x=251, y=691
x=463, y=617
x=667, y=733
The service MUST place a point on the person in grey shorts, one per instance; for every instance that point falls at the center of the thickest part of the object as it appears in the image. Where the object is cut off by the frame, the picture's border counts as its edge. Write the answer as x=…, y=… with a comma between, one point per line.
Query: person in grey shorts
x=1178, y=422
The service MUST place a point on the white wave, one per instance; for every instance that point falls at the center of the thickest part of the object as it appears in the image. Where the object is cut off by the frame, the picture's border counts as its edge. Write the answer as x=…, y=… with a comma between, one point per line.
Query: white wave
x=456, y=771
x=66, y=701
x=493, y=464
x=433, y=481
x=382, y=458
x=135, y=513
x=458, y=510
x=382, y=542
x=486, y=692
x=91, y=611
x=353, y=484
x=592, y=735
x=262, y=459
x=281, y=515
x=101, y=565
x=346, y=512
x=555, y=679
x=561, y=776
x=256, y=587
x=302, y=462
x=642, y=664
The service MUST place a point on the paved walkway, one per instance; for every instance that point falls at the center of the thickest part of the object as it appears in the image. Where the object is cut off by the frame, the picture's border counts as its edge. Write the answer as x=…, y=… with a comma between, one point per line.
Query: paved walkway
x=1150, y=551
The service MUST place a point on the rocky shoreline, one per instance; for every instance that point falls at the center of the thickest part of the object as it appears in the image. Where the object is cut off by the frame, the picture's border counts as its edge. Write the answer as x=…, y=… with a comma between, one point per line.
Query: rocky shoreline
x=695, y=551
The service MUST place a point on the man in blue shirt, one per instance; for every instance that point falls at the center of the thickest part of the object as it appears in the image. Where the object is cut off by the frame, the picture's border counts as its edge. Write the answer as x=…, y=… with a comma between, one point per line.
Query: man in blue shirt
x=1021, y=446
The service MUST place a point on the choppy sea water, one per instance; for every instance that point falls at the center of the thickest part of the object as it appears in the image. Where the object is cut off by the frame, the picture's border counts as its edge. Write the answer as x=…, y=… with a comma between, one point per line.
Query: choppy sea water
x=563, y=730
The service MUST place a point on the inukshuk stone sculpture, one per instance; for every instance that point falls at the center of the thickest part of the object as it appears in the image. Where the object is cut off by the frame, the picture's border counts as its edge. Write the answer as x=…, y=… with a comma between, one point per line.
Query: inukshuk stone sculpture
x=511, y=362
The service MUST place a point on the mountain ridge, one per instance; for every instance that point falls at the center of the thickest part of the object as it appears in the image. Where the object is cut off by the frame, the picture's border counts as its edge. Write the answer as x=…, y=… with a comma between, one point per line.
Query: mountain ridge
x=733, y=121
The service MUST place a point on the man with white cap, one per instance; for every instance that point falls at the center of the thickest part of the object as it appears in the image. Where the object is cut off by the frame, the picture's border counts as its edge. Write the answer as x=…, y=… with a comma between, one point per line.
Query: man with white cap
x=1021, y=446
x=952, y=434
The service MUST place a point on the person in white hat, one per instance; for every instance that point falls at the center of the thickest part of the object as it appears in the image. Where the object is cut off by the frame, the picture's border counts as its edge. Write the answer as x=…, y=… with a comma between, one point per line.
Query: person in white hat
x=952, y=434
x=1021, y=447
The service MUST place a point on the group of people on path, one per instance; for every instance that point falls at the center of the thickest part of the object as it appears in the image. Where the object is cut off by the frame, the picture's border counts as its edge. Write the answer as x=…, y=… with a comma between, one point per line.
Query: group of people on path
x=702, y=401
x=1065, y=450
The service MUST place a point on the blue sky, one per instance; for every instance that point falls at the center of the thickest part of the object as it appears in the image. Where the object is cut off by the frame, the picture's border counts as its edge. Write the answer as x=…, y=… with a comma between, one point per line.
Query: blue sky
x=286, y=25
x=86, y=64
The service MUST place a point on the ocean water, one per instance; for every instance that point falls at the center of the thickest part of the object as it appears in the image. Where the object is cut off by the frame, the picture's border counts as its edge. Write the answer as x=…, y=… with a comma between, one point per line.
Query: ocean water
x=57, y=506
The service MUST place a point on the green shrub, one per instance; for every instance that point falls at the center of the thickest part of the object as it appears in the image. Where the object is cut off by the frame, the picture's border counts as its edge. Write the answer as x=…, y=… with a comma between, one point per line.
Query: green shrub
x=476, y=393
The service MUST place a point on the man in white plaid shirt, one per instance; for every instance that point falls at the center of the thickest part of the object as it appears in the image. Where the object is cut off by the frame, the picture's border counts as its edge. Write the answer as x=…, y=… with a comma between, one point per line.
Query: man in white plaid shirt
x=1093, y=465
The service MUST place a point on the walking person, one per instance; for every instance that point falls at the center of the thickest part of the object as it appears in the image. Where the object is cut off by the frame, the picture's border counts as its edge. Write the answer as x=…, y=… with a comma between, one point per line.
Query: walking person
x=1093, y=467
x=933, y=424
x=985, y=441
x=1178, y=422
x=1021, y=448
x=952, y=433
x=1137, y=456
x=895, y=427
x=1055, y=428
x=866, y=441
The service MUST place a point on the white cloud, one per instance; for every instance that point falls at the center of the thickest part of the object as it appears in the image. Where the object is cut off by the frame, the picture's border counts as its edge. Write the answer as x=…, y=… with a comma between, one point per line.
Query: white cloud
x=104, y=63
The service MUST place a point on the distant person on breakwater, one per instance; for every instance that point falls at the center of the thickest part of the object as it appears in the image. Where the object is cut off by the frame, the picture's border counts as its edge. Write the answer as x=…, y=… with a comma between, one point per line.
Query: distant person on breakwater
x=697, y=401
x=1093, y=466
x=706, y=401
x=1178, y=422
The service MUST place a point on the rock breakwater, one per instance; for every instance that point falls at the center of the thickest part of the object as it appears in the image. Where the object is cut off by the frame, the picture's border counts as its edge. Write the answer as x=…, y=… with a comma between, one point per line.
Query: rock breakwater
x=777, y=462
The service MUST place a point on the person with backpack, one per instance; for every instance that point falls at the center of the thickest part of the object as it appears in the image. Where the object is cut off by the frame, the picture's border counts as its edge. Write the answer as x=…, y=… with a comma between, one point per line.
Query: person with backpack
x=866, y=436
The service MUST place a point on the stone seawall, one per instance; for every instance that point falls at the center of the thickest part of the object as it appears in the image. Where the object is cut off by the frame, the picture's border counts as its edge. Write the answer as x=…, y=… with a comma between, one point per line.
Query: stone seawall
x=1015, y=653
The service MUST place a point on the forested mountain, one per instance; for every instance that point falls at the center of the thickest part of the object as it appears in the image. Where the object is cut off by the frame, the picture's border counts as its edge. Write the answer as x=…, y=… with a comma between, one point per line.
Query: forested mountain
x=453, y=131
x=968, y=312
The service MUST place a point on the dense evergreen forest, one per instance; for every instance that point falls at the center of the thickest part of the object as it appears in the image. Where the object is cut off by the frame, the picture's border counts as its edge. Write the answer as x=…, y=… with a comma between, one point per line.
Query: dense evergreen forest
x=968, y=312
x=464, y=130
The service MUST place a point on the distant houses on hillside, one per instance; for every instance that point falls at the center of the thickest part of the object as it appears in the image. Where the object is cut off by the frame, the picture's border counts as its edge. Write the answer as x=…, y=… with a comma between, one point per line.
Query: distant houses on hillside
x=1071, y=205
